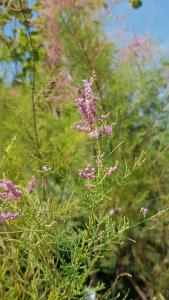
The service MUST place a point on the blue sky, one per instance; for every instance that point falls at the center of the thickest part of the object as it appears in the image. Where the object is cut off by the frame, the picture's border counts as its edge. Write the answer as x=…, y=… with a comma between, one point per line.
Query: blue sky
x=151, y=19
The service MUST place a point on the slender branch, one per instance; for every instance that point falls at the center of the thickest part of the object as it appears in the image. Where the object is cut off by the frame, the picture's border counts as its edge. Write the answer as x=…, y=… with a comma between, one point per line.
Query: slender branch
x=37, y=144
x=125, y=274
x=33, y=81
x=138, y=290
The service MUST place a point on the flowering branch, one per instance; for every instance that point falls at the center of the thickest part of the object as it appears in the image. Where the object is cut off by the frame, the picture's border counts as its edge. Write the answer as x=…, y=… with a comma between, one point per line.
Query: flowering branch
x=96, y=126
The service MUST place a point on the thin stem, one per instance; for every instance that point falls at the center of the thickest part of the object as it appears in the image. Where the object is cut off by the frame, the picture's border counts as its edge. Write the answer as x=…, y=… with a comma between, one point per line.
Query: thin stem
x=33, y=82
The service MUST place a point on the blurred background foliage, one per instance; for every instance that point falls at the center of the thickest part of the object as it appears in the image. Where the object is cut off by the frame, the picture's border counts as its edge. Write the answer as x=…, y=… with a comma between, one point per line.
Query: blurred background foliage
x=69, y=42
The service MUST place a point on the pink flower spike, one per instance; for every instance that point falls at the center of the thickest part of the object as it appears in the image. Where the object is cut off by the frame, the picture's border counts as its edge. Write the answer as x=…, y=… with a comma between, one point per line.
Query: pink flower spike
x=31, y=185
x=86, y=104
x=144, y=211
x=8, y=216
x=12, y=193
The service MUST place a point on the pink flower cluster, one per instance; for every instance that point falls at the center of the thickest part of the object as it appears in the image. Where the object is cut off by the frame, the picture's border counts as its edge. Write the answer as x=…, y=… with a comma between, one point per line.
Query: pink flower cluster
x=8, y=216
x=11, y=191
x=110, y=170
x=86, y=103
x=105, y=129
x=48, y=14
x=88, y=173
x=31, y=185
x=49, y=25
x=138, y=48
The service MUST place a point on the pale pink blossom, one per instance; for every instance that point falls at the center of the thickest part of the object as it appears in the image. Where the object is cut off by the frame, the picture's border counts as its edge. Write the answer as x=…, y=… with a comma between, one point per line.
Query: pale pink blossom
x=31, y=185
x=138, y=48
x=96, y=133
x=82, y=127
x=109, y=170
x=46, y=169
x=144, y=211
x=88, y=173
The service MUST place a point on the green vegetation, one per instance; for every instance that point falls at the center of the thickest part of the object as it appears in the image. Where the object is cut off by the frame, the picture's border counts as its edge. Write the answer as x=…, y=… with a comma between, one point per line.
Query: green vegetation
x=68, y=229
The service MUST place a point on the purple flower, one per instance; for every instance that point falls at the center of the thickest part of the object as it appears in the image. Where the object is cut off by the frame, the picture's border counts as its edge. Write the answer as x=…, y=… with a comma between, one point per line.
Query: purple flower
x=107, y=129
x=88, y=173
x=12, y=192
x=31, y=185
x=8, y=216
x=144, y=211
x=89, y=102
x=86, y=103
